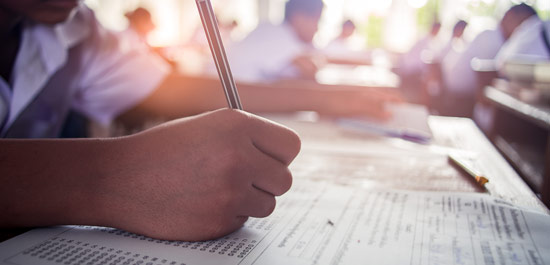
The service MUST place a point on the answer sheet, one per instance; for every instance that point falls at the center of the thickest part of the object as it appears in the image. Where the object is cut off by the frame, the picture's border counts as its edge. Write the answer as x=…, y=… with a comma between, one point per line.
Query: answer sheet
x=322, y=223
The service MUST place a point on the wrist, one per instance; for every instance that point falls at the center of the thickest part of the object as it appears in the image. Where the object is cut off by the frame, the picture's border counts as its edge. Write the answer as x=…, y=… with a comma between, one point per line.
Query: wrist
x=99, y=187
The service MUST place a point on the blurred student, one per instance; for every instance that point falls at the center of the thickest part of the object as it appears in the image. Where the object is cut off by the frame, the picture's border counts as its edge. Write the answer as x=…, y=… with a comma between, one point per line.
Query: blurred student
x=412, y=63
x=443, y=100
x=413, y=66
x=459, y=75
x=282, y=58
x=140, y=24
x=526, y=39
x=285, y=51
x=461, y=82
x=435, y=78
x=530, y=38
x=455, y=44
x=341, y=42
x=344, y=49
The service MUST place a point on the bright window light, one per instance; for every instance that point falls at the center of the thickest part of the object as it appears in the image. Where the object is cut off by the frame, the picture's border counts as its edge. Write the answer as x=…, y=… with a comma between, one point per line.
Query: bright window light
x=417, y=3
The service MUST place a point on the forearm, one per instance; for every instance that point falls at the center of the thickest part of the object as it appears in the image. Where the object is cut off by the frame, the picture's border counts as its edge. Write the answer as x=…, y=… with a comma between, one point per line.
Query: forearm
x=52, y=182
x=283, y=96
x=181, y=96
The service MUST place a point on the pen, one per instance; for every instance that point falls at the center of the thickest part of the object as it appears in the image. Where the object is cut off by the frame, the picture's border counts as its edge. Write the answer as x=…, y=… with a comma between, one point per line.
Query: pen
x=369, y=127
x=466, y=166
x=210, y=25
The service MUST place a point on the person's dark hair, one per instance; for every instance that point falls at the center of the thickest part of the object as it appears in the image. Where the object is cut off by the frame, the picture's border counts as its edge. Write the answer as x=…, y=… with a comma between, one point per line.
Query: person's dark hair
x=459, y=28
x=523, y=10
x=461, y=24
x=436, y=26
x=348, y=23
x=137, y=14
x=302, y=7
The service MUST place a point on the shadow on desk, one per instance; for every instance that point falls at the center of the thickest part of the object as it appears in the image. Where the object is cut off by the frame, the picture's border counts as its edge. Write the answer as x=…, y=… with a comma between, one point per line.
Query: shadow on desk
x=6, y=234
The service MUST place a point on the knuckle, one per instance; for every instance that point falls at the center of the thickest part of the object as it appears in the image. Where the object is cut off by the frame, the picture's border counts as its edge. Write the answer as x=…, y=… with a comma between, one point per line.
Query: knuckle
x=234, y=116
x=295, y=144
x=282, y=182
x=227, y=113
x=231, y=120
x=286, y=182
x=291, y=145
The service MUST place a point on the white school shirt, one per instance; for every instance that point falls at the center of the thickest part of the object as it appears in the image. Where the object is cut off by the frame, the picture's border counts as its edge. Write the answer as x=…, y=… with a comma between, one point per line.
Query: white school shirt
x=458, y=74
x=348, y=49
x=337, y=48
x=76, y=65
x=526, y=42
x=411, y=63
x=266, y=54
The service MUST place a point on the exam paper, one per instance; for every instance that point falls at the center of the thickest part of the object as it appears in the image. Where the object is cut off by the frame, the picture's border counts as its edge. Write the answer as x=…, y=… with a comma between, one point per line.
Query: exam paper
x=321, y=223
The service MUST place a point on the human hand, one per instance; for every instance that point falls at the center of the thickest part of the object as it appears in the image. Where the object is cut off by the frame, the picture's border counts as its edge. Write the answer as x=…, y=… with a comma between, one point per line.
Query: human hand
x=198, y=178
x=308, y=65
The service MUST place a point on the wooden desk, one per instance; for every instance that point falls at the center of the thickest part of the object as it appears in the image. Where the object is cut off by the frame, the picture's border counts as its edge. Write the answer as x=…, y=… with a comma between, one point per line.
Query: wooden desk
x=400, y=164
x=395, y=163
x=522, y=133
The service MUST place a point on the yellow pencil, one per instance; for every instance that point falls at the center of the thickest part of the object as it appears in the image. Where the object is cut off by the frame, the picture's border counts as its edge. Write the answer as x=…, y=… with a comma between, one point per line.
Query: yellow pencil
x=470, y=169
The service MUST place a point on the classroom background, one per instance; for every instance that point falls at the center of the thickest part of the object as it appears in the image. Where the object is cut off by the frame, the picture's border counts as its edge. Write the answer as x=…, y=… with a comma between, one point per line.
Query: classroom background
x=392, y=25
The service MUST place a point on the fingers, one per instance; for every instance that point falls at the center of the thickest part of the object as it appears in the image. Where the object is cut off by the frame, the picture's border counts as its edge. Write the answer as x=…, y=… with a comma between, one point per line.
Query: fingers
x=258, y=203
x=274, y=140
x=270, y=178
x=270, y=175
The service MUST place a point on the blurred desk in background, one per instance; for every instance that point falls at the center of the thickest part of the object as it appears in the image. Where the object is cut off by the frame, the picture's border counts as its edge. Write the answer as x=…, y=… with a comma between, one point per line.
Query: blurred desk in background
x=521, y=131
x=382, y=162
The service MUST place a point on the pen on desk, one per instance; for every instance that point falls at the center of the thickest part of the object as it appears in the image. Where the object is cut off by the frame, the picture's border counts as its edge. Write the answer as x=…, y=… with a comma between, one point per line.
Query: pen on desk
x=210, y=25
x=369, y=127
x=466, y=166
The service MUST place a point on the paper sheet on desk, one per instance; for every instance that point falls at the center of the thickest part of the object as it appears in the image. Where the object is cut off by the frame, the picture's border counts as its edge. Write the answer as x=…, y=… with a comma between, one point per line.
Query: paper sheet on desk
x=408, y=121
x=319, y=223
